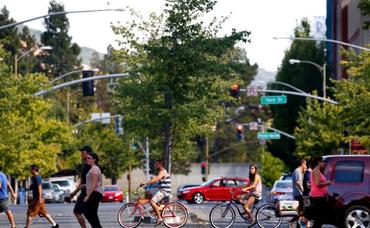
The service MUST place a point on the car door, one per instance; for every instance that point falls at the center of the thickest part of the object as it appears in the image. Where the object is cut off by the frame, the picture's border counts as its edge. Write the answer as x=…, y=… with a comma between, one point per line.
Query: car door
x=229, y=185
x=214, y=190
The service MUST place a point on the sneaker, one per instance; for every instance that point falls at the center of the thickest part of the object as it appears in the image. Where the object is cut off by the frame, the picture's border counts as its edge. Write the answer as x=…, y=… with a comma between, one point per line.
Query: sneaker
x=56, y=226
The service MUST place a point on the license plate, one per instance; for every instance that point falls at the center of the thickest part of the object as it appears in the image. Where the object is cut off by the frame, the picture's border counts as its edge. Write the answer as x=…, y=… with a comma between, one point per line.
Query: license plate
x=110, y=197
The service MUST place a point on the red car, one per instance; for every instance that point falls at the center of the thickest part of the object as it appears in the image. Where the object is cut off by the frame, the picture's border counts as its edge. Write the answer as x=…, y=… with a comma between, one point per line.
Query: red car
x=112, y=193
x=217, y=189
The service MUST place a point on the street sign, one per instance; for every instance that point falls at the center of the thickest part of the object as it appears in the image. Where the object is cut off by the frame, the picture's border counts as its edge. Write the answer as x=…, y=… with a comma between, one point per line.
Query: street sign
x=268, y=135
x=252, y=91
x=253, y=126
x=274, y=100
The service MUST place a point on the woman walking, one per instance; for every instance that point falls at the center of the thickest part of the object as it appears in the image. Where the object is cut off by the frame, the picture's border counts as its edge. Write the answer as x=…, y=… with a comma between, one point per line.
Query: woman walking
x=94, y=191
x=319, y=192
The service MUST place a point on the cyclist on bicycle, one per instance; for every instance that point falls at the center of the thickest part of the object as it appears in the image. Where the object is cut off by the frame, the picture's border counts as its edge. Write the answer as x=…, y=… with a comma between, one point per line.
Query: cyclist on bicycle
x=254, y=189
x=162, y=191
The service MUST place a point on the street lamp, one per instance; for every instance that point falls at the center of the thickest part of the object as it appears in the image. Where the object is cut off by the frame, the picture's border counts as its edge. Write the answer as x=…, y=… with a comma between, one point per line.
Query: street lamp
x=321, y=68
x=323, y=40
x=284, y=84
x=35, y=49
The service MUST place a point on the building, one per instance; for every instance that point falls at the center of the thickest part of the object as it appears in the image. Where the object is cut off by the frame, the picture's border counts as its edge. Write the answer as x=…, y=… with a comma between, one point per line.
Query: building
x=344, y=23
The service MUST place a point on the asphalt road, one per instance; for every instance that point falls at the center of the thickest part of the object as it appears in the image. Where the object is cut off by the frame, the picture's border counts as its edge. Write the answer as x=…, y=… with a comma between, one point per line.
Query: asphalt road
x=63, y=215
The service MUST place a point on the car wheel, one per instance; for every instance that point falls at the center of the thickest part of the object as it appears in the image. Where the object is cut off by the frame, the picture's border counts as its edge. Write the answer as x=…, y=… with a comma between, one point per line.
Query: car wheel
x=357, y=216
x=198, y=198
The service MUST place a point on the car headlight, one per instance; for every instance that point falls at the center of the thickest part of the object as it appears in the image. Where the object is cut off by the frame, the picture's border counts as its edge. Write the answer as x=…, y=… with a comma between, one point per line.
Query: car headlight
x=185, y=191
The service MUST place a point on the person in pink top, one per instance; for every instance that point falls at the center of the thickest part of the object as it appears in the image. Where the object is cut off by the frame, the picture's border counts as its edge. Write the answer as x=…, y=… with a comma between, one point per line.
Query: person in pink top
x=319, y=191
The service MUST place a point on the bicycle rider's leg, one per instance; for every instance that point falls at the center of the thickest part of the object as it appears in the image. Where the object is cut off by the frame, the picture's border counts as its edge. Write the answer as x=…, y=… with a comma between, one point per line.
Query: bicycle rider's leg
x=248, y=205
x=157, y=197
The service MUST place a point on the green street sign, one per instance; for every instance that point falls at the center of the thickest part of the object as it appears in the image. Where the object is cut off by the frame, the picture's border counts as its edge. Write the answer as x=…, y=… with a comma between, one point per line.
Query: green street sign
x=274, y=100
x=268, y=135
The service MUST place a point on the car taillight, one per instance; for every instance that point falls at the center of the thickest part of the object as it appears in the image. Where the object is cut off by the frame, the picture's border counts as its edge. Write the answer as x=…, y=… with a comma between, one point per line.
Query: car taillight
x=117, y=194
x=278, y=193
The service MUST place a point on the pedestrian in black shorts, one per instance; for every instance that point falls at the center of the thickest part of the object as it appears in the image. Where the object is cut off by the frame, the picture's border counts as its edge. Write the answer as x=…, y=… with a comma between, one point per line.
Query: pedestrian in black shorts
x=79, y=209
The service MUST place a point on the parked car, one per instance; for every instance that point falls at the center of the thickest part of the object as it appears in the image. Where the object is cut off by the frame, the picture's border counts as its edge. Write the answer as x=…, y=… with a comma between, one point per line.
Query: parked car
x=349, y=190
x=67, y=184
x=286, y=176
x=217, y=189
x=59, y=194
x=48, y=192
x=281, y=190
x=112, y=193
x=184, y=186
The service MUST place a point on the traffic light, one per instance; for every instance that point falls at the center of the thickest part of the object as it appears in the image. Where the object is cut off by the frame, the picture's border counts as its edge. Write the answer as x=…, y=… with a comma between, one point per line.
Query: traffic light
x=118, y=125
x=240, y=132
x=88, y=87
x=235, y=91
x=203, y=168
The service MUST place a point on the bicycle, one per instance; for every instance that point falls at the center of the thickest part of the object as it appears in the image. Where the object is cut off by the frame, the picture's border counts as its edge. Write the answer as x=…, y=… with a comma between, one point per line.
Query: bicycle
x=223, y=214
x=131, y=215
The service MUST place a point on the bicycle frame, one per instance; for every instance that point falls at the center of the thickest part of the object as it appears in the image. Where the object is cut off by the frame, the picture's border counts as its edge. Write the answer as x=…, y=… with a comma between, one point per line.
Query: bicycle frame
x=241, y=213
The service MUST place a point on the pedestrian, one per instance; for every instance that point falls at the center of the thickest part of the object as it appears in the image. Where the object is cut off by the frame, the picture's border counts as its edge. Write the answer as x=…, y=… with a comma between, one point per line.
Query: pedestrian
x=319, y=192
x=37, y=205
x=79, y=206
x=297, y=182
x=4, y=187
x=94, y=191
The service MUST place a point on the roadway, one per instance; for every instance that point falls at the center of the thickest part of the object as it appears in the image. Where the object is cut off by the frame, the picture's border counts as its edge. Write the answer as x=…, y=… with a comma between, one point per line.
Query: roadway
x=62, y=213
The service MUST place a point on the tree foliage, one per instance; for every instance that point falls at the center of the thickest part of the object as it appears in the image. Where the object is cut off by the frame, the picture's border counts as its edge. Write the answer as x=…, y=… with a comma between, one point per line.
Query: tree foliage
x=304, y=76
x=182, y=71
x=271, y=168
x=64, y=57
x=364, y=6
x=29, y=133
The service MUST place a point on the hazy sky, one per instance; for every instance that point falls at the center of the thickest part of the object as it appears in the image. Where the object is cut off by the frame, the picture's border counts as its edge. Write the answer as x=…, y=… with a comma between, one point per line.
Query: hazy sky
x=264, y=18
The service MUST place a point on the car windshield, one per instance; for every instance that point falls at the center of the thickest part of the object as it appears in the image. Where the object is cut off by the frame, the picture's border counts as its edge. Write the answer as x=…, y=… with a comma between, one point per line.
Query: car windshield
x=285, y=184
x=47, y=186
x=111, y=188
x=62, y=183
x=207, y=182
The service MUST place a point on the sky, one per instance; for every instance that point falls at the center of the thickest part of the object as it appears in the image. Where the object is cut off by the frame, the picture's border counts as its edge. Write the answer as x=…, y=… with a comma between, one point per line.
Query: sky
x=265, y=19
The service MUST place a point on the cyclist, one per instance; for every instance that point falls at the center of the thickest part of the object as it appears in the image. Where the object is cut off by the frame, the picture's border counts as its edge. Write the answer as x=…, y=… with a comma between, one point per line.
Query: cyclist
x=162, y=191
x=254, y=189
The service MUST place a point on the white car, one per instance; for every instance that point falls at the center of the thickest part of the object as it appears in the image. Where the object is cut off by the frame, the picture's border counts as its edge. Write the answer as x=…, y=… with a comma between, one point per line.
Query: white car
x=67, y=184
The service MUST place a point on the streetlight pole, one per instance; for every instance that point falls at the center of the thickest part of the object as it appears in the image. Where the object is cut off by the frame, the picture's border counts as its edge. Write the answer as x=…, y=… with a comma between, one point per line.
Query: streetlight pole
x=69, y=73
x=321, y=68
x=33, y=49
x=54, y=14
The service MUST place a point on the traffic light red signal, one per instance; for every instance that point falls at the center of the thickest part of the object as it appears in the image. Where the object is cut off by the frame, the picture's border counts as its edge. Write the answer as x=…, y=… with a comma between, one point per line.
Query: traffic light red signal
x=240, y=132
x=235, y=91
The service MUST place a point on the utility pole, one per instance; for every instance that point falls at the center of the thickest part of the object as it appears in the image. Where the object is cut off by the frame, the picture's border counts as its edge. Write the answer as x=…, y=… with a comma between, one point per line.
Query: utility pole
x=206, y=157
x=147, y=157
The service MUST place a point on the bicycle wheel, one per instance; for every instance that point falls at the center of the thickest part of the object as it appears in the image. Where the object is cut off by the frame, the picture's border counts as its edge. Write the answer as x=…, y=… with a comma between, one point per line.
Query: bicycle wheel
x=129, y=215
x=222, y=215
x=266, y=216
x=174, y=215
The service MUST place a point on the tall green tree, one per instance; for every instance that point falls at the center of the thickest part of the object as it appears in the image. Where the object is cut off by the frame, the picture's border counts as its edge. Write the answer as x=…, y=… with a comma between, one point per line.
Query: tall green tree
x=306, y=77
x=64, y=57
x=364, y=6
x=182, y=69
x=9, y=37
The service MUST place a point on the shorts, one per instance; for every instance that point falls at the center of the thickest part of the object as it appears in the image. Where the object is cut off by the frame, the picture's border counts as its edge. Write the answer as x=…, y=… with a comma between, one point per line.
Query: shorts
x=36, y=208
x=80, y=205
x=158, y=194
x=4, y=205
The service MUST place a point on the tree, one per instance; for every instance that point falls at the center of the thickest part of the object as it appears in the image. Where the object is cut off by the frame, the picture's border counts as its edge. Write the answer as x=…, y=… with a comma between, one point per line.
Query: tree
x=304, y=76
x=9, y=37
x=29, y=132
x=183, y=71
x=271, y=168
x=321, y=126
x=64, y=57
x=364, y=6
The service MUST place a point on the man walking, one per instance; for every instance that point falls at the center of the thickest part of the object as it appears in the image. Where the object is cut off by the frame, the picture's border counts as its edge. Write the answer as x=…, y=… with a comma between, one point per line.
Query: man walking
x=79, y=206
x=37, y=205
x=297, y=182
x=4, y=186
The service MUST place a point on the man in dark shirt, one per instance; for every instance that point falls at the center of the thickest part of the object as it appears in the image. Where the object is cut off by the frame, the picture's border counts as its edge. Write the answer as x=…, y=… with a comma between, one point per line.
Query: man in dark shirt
x=79, y=206
x=37, y=205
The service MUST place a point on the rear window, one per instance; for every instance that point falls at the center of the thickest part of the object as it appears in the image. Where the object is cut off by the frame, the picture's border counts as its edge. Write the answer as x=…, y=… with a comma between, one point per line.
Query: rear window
x=284, y=185
x=47, y=186
x=349, y=171
x=111, y=188
x=61, y=183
